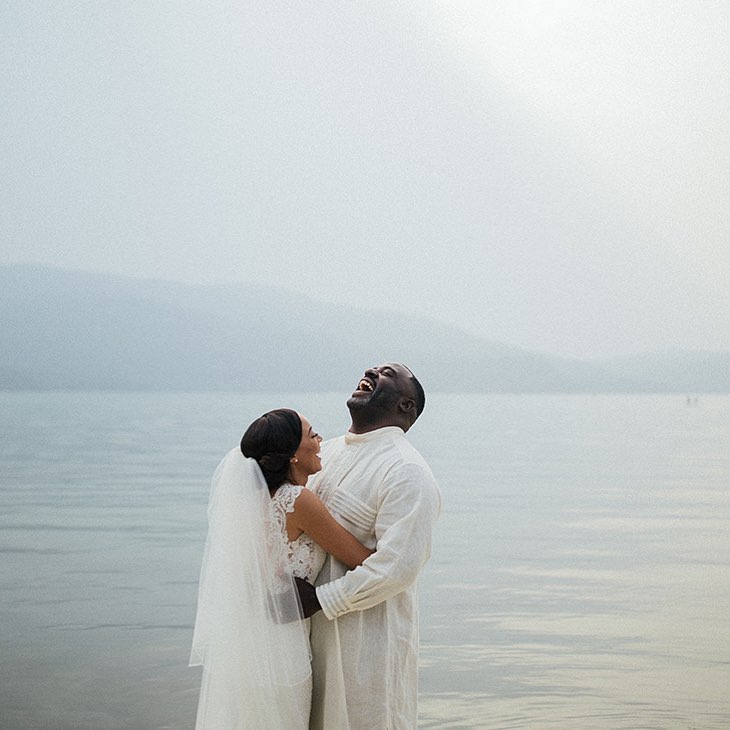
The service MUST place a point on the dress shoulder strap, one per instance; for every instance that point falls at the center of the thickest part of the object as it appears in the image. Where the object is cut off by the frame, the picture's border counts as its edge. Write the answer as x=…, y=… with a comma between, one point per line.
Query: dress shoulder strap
x=285, y=497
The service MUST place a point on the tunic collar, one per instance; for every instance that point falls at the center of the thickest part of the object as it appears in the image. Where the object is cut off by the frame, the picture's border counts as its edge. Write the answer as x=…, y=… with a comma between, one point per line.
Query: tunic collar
x=361, y=438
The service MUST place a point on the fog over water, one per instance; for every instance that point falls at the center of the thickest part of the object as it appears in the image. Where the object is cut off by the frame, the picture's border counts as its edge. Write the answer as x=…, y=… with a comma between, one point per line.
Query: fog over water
x=551, y=175
x=544, y=175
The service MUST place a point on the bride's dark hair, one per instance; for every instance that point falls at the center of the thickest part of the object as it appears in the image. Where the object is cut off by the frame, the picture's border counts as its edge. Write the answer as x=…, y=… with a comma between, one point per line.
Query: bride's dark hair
x=272, y=439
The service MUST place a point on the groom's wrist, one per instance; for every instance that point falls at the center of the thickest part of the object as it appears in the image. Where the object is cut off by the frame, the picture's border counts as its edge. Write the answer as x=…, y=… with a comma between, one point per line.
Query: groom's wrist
x=332, y=600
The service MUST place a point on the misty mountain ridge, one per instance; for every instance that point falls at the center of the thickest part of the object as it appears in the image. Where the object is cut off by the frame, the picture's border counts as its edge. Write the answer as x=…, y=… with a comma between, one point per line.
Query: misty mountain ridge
x=65, y=329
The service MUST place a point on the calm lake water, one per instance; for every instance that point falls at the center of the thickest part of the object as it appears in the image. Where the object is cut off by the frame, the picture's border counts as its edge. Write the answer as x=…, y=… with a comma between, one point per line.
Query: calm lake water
x=580, y=576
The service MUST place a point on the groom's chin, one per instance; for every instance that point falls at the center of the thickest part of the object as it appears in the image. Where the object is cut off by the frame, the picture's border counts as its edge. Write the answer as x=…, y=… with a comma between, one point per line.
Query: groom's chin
x=356, y=402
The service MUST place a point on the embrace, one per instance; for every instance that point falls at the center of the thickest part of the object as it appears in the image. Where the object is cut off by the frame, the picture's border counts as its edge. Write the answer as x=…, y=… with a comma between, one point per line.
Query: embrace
x=278, y=653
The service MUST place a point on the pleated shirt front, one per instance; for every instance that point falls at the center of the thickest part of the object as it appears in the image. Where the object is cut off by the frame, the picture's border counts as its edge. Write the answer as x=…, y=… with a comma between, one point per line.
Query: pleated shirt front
x=365, y=640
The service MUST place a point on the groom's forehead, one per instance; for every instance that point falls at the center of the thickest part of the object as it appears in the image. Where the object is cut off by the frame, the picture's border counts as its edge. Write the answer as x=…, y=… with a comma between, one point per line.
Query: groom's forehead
x=400, y=370
x=402, y=374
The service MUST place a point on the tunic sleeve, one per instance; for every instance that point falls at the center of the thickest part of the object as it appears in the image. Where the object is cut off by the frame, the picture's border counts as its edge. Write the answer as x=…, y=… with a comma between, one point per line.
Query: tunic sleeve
x=409, y=505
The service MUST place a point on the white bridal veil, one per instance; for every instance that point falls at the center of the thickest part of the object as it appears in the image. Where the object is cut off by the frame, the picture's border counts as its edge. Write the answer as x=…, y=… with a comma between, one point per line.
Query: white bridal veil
x=248, y=634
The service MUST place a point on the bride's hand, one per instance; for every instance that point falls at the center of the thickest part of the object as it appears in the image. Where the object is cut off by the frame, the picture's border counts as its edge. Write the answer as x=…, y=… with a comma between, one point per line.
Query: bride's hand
x=308, y=597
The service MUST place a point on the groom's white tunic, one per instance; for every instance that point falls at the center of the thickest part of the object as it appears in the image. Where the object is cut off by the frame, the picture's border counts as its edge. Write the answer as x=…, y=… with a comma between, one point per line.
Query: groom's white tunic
x=365, y=640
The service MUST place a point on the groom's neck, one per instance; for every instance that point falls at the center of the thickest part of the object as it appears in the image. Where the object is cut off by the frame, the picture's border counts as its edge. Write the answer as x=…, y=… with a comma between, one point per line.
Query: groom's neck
x=365, y=426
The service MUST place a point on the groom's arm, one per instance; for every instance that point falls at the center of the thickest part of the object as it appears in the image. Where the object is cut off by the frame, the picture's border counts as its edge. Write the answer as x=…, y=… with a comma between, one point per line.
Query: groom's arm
x=409, y=506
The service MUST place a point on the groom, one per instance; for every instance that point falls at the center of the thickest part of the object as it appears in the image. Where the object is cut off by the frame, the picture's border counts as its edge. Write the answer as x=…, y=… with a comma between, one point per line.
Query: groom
x=365, y=638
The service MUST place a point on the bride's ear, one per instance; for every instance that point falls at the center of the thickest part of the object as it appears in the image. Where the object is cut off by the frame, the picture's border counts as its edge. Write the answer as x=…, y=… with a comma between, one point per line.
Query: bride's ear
x=290, y=471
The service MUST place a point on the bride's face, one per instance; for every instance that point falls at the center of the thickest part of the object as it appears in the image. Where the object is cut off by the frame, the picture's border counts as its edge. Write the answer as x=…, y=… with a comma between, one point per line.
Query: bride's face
x=307, y=455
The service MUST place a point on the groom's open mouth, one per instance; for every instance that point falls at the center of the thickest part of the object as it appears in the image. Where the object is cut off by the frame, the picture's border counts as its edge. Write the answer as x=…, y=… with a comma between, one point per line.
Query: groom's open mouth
x=366, y=385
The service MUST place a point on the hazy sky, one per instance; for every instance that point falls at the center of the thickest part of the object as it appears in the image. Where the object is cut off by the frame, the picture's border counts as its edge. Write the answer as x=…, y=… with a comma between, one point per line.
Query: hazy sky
x=552, y=175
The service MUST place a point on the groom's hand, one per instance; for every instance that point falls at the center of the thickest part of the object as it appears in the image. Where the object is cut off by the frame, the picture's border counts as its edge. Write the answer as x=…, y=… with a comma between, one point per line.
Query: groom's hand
x=308, y=597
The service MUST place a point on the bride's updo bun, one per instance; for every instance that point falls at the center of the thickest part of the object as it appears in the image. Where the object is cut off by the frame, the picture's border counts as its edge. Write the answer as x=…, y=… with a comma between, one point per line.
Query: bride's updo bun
x=272, y=440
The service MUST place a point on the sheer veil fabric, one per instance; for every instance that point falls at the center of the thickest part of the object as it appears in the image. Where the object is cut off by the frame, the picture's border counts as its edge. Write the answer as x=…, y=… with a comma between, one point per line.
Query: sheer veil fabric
x=249, y=636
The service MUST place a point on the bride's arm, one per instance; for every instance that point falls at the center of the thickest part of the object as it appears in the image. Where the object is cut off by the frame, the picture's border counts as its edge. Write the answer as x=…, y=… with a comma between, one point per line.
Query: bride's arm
x=311, y=516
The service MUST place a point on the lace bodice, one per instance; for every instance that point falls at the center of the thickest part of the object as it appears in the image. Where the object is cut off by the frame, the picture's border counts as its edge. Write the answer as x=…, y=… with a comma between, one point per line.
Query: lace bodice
x=305, y=557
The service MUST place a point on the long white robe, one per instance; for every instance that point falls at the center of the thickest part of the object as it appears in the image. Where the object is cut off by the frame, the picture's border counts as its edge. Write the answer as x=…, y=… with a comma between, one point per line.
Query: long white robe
x=365, y=639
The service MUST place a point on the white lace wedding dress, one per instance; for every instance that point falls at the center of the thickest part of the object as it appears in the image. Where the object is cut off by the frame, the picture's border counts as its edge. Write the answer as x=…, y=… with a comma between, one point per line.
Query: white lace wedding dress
x=256, y=660
x=305, y=557
x=304, y=560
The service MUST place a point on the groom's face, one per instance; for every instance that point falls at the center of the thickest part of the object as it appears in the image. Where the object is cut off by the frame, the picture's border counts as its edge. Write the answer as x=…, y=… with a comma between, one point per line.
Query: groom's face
x=381, y=388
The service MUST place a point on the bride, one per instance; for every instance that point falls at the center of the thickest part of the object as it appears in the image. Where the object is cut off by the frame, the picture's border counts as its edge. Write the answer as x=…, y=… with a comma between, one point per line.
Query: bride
x=265, y=529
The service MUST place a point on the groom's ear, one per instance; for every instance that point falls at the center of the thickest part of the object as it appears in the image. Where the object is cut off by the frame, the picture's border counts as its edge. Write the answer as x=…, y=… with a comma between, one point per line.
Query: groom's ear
x=408, y=406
